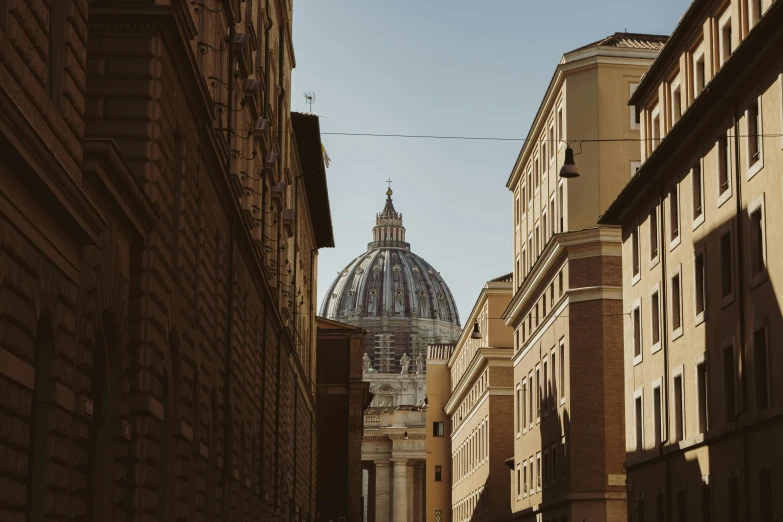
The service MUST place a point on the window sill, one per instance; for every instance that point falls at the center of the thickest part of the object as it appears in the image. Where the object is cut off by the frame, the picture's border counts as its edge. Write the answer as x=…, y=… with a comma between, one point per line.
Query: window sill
x=637, y=359
x=723, y=198
x=654, y=261
x=699, y=318
x=656, y=348
x=697, y=222
x=674, y=243
x=636, y=278
x=676, y=334
x=726, y=301
x=759, y=279
x=756, y=167
x=562, y=401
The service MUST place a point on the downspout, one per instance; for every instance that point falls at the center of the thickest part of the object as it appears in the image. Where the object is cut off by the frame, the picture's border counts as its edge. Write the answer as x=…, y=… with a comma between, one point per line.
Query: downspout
x=228, y=428
x=664, y=346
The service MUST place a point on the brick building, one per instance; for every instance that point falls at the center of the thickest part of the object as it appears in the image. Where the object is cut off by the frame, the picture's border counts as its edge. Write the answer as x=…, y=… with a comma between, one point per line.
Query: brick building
x=341, y=399
x=567, y=306
x=161, y=213
x=702, y=271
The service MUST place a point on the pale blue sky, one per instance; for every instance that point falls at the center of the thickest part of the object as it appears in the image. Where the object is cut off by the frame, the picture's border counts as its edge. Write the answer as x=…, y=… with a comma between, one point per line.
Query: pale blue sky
x=441, y=67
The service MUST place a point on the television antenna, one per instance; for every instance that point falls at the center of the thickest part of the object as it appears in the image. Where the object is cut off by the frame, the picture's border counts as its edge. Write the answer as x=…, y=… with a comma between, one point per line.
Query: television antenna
x=309, y=99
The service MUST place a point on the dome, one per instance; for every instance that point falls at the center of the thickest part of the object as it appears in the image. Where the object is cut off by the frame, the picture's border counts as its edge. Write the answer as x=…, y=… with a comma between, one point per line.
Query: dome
x=389, y=281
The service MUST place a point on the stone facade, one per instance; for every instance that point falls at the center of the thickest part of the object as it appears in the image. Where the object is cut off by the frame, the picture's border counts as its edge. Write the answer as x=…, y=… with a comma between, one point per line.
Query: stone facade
x=702, y=272
x=157, y=263
x=438, y=468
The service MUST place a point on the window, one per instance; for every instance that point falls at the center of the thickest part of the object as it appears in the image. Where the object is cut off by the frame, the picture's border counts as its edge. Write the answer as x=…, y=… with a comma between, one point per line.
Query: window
x=637, y=332
x=767, y=495
x=679, y=424
x=516, y=211
x=676, y=103
x=701, y=383
x=699, y=75
x=524, y=477
x=551, y=142
x=635, y=166
x=519, y=409
x=706, y=503
x=698, y=191
x=634, y=111
x=532, y=473
x=754, y=133
x=654, y=233
x=523, y=196
x=560, y=123
x=676, y=303
x=519, y=481
x=538, y=393
x=562, y=369
x=523, y=402
x=725, y=38
x=544, y=228
x=756, y=8
x=639, y=423
x=660, y=508
x=760, y=370
x=536, y=172
x=682, y=506
x=555, y=469
x=553, y=391
x=563, y=459
x=538, y=471
x=757, y=261
x=546, y=387
x=700, y=282
x=729, y=398
x=635, y=251
x=437, y=429
x=724, y=164
x=546, y=467
x=54, y=82
x=552, y=213
x=657, y=424
x=560, y=282
x=438, y=473
x=530, y=184
x=656, y=130
x=530, y=399
x=726, y=266
x=543, y=160
x=640, y=511
x=655, y=315
x=674, y=212
x=562, y=208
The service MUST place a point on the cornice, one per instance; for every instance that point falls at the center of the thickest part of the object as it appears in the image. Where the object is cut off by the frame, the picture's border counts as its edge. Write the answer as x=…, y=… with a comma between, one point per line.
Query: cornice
x=494, y=357
x=489, y=289
x=579, y=244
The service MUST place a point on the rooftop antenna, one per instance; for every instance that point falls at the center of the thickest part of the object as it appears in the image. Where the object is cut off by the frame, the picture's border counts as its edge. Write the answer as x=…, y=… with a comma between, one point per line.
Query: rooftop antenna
x=309, y=99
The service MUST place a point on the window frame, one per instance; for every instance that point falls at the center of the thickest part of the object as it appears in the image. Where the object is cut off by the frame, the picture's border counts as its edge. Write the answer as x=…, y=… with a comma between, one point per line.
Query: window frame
x=758, y=326
x=753, y=169
x=701, y=360
x=697, y=220
x=759, y=277
x=725, y=19
x=638, y=395
x=674, y=86
x=678, y=372
x=698, y=56
x=676, y=333
x=633, y=111
x=729, y=343
x=674, y=241
x=636, y=255
x=637, y=359
x=657, y=384
x=727, y=228
x=700, y=249
x=655, y=347
x=654, y=260
x=563, y=372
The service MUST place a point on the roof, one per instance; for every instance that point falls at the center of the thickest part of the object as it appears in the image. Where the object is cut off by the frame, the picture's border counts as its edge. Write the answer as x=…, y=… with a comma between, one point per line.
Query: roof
x=331, y=324
x=440, y=351
x=390, y=409
x=307, y=130
x=505, y=278
x=651, y=42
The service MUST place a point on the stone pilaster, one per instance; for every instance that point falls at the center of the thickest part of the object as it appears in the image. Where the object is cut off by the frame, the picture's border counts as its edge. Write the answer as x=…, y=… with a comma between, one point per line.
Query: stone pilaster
x=382, y=469
x=400, y=490
x=417, y=491
x=411, y=492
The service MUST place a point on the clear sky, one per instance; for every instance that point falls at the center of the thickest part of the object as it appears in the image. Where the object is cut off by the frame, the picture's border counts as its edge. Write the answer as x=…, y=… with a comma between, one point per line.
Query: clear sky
x=440, y=67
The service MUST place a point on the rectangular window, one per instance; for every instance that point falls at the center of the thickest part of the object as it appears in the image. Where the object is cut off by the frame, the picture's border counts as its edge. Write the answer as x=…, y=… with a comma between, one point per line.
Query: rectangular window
x=516, y=211
x=544, y=228
x=701, y=377
x=538, y=471
x=676, y=303
x=532, y=475
x=536, y=172
x=682, y=506
x=519, y=409
x=524, y=477
x=726, y=265
x=676, y=104
x=546, y=467
x=660, y=508
x=656, y=322
x=530, y=398
x=551, y=142
x=437, y=429
x=562, y=209
x=547, y=391
x=562, y=369
x=634, y=112
x=543, y=160
x=724, y=163
x=699, y=75
x=698, y=192
x=635, y=250
x=639, y=424
x=656, y=131
x=519, y=481
x=654, y=233
x=679, y=425
x=555, y=469
x=760, y=370
x=734, y=499
x=560, y=123
x=674, y=212
x=553, y=222
x=657, y=425
x=523, y=403
x=640, y=510
x=553, y=393
x=530, y=184
x=757, y=261
x=725, y=42
x=766, y=495
x=438, y=473
x=729, y=398
x=754, y=133
x=54, y=82
x=706, y=503
x=637, y=332
x=538, y=393
x=700, y=281
x=560, y=282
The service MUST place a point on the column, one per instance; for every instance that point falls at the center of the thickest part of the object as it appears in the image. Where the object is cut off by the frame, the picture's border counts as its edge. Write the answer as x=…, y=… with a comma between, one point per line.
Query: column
x=411, y=491
x=365, y=491
x=400, y=490
x=371, y=496
x=417, y=492
x=382, y=469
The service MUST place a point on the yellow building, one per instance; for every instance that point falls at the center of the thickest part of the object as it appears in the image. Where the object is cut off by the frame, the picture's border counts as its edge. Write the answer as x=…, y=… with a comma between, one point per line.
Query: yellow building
x=438, y=481
x=701, y=264
x=566, y=312
x=478, y=410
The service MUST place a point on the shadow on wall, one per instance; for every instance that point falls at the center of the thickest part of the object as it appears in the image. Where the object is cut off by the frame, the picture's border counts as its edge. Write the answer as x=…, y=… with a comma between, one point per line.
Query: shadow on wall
x=712, y=429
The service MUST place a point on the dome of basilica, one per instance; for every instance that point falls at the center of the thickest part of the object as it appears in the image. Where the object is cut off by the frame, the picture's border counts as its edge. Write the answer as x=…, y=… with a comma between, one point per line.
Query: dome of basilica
x=389, y=281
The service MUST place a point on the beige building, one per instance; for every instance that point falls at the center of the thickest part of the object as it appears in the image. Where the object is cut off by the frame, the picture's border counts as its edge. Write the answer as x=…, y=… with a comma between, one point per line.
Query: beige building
x=566, y=312
x=701, y=265
x=479, y=410
x=438, y=478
